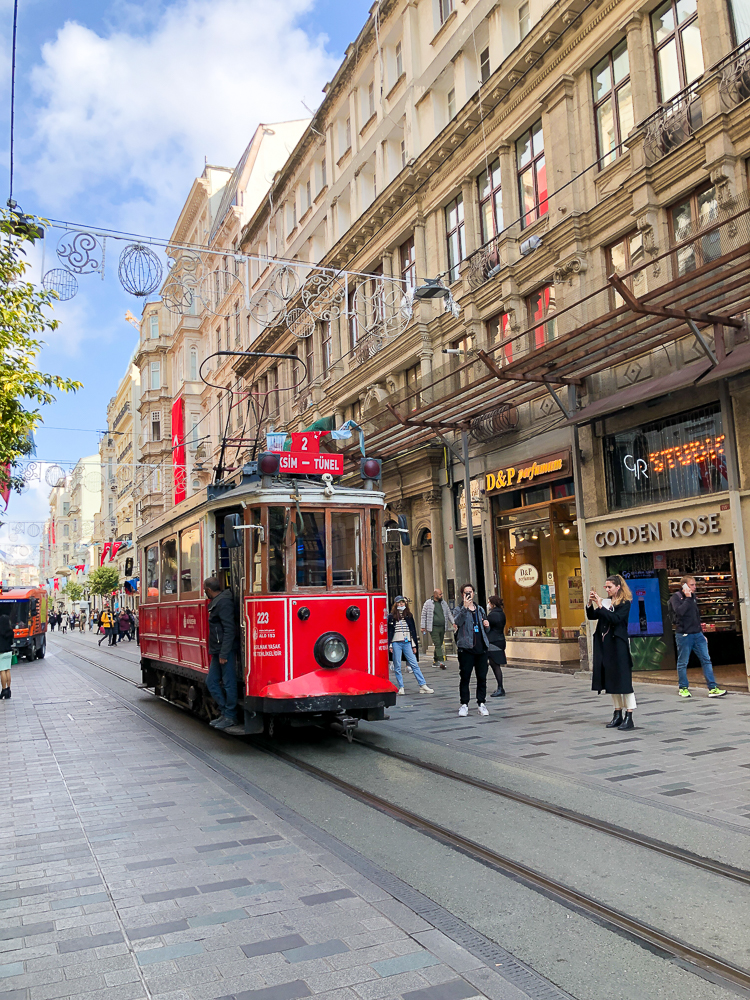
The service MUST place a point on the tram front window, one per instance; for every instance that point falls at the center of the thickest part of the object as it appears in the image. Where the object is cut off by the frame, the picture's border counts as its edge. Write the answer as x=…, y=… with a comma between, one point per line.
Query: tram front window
x=346, y=549
x=311, y=550
x=190, y=561
x=169, y=567
x=277, y=549
x=152, y=572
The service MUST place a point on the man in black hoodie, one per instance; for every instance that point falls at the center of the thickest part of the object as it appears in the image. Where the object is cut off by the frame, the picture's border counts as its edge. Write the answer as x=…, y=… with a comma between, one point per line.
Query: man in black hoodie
x=222, y=633
x=690, y=638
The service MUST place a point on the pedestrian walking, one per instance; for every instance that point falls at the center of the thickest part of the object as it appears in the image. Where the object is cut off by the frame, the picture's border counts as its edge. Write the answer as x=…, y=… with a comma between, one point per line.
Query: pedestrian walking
x=435, y=618
x=123, y=622
x=613, y=664
x=222, y=635
x=58, y=619
x=137, y=627
x=496, y=635
x=64, y=620
x=690, y=638
x=6, y=654
x=473, y=646
x=82, y=622
x=105, y=625
x=402, y=641
x=115, y=634
x=131, y=624
x=52, y=621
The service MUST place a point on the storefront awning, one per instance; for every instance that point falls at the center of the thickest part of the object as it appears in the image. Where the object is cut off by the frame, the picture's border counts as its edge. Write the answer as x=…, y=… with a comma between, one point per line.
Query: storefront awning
x=639, y=392
x=734, y=363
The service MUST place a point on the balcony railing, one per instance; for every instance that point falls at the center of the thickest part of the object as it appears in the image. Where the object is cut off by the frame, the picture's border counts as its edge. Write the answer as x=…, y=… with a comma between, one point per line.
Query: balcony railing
x=673, y=124
x=734, y=83
x=485, y=263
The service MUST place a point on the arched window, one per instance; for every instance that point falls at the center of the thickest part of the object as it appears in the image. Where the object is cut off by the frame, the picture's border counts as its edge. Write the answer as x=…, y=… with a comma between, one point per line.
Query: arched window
x=193, y=364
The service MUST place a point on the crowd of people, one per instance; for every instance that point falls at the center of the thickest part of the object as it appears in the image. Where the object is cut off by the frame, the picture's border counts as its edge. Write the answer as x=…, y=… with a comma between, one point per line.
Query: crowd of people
x=113, y=625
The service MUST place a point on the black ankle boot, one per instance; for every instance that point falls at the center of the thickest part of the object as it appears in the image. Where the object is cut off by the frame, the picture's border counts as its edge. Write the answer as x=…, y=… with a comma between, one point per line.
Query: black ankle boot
x=628, y=723
x=3, y=694
x=616, y=720
x=7, y=692
x=498, y=694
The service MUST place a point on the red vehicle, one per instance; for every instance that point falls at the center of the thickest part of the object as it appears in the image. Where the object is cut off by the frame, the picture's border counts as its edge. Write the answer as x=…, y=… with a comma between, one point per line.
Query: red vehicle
x=27, y=608
x=303, y=560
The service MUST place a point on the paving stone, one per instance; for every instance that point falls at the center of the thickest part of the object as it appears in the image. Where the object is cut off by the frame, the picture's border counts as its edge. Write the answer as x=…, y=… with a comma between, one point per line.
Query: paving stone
x=404, y=963
x=92, y=941
x=273, y=945
x=232, y=883
x=310, y=951
x=456, y=989
x=158, y=863
x=326, y=897
x=26, y=930
x=156, y=930
x=286, y=991
x=169, y=952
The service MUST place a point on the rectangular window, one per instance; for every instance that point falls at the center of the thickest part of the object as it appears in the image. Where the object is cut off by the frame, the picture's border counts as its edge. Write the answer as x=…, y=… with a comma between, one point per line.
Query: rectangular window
x=623, y=256
x=310, y=358
x=273, y=384
x=218, y=338
x=311, y=550
x=323, y=173
x=237, y=324
x=371, y=99
x=455, y=235
x=541, y=311
x=156, y=426
x=677, y=46
x=524, y=21
x=190, y=561
x=532, y=174
x=484, y=65
x=348, y=134
x=413, y=378
x=490, y=201
x=325, y=345
x=193, y=364
x=462, y=350
x=151, y=562
x=445, y=9
x=277, y=522
x=667, y=460
x=688, y=217
x=169, y=567
x=613, y=103
x=399, y=61
x=403, y=154
x=154, y=326
x=498, y=330
x=346, y=549
x=451, y=105
x=408, y=258
x=156, y=375
x=351, y=309
x=308, y=193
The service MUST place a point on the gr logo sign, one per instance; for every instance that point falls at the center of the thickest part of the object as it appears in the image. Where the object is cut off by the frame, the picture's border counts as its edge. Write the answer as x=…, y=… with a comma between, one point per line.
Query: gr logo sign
x=637, y=466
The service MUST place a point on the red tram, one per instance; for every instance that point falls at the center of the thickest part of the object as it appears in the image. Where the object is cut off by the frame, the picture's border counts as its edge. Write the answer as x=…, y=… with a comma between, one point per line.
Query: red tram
x=303, y=558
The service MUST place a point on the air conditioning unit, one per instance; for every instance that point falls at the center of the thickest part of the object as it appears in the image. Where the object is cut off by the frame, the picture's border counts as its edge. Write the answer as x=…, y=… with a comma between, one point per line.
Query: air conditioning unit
x=528, y=246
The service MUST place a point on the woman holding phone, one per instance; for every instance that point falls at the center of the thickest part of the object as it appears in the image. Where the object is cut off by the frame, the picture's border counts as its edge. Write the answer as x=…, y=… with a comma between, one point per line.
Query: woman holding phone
x=613, y=664
x=473, y=645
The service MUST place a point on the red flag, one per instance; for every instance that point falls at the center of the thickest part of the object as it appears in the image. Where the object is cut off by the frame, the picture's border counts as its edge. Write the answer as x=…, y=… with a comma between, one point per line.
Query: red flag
x=52, y=532
x=80, y=569
x=116, y=546
x=178, y=449
x=105, y=550
x=55, y=584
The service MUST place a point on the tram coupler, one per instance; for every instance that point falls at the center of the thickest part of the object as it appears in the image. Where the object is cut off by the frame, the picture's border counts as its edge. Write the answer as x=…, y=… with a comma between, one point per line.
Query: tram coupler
x=345, y=724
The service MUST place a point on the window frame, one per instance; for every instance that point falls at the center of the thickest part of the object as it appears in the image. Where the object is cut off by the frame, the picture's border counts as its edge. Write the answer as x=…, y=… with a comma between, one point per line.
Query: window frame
x=154, y=369
x=459, y=230
x=697, y=244
x=445, y=9
x=195, y=593
x=616, y=299
x=399, y=60
x=528, y=218
x=541, y=323
x=502, y=319
x=676, y=36
x=484, y=65
x=326, y=346
x=407, y=257
x=162, y=542
x=491, y=197
x=153, y=325
x=604, y=159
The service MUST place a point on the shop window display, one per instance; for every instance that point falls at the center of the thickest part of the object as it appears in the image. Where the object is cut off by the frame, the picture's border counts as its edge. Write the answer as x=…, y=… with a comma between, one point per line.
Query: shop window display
x=669, y=459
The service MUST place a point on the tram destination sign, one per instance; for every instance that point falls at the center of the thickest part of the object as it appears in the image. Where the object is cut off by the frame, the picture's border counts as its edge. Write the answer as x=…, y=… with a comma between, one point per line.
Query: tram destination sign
x=311, y=463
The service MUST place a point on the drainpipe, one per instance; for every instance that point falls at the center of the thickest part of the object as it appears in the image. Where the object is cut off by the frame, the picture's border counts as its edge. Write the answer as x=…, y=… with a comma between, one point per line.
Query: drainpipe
x=586, y=638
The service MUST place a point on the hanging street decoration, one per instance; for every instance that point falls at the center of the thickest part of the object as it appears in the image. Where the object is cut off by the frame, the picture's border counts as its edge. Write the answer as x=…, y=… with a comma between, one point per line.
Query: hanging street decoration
x=62, y=282
x=140, y=270
x=79, y=252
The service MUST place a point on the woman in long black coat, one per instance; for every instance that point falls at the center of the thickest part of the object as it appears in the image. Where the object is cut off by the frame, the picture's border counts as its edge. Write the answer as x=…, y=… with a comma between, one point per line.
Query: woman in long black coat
x=613, y=664
x=496, y=635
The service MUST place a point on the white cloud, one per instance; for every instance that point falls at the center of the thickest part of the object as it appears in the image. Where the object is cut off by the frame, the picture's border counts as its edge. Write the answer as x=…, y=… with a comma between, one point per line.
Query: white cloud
x=125, y=120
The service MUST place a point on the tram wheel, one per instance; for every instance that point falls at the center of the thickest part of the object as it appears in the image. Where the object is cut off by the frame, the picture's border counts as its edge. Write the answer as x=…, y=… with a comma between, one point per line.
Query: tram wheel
x=192, y=697
x=163, y=685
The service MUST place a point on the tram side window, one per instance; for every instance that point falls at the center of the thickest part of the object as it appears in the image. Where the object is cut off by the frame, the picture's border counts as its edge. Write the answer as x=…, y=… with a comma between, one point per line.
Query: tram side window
x=276, y=549
x=190, y=561
x=152, y=572
x=169, y=567
x=375, y=544
x=346, y=549
x=311, y=550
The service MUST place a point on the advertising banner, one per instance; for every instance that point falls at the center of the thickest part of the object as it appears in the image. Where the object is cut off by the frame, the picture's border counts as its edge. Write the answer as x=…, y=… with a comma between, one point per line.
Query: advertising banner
x=178, y=449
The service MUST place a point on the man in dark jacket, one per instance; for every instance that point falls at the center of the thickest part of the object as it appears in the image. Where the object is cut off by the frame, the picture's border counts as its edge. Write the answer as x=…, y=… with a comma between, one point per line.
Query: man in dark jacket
x=690, y=638
x=222, y=632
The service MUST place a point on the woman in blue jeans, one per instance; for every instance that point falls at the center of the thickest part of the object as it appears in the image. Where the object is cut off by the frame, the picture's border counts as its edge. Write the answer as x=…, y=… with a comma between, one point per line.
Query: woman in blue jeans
x=402, y=641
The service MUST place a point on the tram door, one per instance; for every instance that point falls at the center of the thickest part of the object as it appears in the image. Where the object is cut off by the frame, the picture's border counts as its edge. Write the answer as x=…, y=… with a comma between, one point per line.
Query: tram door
x=231, y=564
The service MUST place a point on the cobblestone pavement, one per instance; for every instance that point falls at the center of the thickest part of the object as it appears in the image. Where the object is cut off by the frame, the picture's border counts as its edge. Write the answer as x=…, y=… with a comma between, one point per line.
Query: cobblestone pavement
x=131, y=869
x=686, y=756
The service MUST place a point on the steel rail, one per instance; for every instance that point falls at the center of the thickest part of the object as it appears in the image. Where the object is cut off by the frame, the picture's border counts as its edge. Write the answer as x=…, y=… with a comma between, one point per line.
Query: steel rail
x=643, y=933
x=601, y=826
x=697, y=960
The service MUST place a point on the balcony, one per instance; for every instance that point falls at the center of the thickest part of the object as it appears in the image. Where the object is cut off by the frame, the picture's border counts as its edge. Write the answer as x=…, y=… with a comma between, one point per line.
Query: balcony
x=121, y=415
x=485, y=263
x=734, y=80
x=673, y=124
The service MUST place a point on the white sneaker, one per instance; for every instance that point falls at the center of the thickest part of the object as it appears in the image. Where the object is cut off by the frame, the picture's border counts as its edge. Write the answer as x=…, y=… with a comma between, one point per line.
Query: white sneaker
x=426, y=689
x=463, y=711
x=401, y=691
x=483, y=710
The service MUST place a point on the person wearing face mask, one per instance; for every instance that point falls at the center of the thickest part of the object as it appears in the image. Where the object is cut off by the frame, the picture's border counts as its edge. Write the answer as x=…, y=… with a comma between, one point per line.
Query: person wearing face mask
x=402, y=641
x=473, y=646
x=613, y=664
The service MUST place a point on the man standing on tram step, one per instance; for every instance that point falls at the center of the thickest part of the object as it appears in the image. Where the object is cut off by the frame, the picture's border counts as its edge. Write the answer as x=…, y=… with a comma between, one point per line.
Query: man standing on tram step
x=436, y=616
x=105, y=622
x=690, y=638
x=222, y=633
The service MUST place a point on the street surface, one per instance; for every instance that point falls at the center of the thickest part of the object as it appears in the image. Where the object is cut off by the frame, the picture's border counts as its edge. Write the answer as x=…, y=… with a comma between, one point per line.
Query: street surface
x=146, y=856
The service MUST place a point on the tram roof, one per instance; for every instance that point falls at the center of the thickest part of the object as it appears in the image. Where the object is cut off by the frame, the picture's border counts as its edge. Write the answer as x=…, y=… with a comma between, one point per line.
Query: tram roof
x=281, y=492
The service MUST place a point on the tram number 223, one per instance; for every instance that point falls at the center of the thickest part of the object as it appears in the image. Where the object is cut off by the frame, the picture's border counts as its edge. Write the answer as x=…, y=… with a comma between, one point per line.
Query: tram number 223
x=262, y=618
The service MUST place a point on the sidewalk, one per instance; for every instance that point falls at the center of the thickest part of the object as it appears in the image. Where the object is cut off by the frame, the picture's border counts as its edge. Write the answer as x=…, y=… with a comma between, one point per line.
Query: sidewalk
x=130, y=869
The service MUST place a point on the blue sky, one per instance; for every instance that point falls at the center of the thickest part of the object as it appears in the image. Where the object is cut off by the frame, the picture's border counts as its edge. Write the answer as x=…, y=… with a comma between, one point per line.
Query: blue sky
x=117, y=105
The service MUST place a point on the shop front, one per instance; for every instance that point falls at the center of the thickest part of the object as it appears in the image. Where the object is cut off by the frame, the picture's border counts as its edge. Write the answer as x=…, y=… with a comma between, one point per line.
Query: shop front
x=670, y=517
x=538, y=561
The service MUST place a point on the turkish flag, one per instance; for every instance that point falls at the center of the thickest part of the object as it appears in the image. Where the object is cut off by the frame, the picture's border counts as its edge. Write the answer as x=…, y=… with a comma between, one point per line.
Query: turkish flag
x=116, y=546
x=178, y=449
x=105, y=550
x=80, y=569
x=56, y=584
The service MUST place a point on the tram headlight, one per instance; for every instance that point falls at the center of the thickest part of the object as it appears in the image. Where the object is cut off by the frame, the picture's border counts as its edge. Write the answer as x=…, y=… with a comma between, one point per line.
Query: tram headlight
x=331, y=650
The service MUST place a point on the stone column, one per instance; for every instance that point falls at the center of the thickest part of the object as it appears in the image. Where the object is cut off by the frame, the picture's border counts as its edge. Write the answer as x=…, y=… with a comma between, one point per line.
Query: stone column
x=642, y=75
x=716, y=29
x=560, y=153
x=408, y=581
x=472, y=235
x=435, y=500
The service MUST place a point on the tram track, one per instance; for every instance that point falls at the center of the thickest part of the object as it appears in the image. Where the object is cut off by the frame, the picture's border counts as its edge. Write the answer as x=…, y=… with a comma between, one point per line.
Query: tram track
x=697, y=960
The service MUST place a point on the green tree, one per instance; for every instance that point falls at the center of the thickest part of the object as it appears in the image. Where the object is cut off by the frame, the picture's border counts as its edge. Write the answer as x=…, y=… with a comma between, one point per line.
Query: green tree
x=24, y=318
x=72, y=590
x=104, y=580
